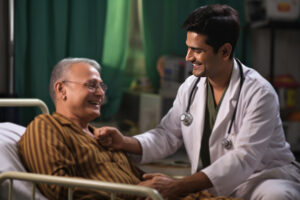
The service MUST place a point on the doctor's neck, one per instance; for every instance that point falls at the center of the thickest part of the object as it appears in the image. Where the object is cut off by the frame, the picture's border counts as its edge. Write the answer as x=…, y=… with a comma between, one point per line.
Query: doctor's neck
x=220, y=80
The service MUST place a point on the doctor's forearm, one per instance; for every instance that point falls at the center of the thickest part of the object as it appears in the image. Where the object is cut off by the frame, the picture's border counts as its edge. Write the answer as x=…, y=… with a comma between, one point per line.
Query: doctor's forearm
x=194, y=183
x=132, y=145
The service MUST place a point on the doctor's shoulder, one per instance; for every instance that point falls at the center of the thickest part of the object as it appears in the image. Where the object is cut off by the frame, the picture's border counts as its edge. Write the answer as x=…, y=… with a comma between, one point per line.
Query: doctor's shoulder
x=255, y=84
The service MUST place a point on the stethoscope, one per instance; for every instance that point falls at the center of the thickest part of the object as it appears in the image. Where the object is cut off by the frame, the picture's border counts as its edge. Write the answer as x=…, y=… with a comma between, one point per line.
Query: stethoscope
x=187, y=117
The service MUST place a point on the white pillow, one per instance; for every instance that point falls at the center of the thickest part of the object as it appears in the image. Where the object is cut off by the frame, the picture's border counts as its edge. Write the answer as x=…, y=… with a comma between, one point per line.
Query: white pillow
x=9, y=136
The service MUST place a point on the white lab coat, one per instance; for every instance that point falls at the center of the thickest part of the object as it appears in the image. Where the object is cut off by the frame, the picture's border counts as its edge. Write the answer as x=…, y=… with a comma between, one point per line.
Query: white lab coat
x=257, y=134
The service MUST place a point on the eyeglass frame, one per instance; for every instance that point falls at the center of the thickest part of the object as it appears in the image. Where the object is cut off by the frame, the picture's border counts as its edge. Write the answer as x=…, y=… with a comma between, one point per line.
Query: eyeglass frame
x=94, y=88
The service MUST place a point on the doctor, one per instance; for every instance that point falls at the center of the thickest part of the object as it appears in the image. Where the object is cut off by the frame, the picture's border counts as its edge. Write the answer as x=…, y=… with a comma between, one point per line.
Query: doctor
x=227, y=116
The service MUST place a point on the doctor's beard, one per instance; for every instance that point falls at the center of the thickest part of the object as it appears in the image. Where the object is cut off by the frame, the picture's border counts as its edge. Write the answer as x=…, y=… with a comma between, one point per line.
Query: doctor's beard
x=200, y=73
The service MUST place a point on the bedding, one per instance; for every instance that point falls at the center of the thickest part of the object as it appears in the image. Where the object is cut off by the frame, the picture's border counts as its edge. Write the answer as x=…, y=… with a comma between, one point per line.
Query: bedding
x=10, y=134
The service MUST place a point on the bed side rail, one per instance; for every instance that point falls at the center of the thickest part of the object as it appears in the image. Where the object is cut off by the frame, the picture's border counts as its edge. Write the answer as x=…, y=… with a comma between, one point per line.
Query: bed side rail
x=69, y=182
x=24, y=102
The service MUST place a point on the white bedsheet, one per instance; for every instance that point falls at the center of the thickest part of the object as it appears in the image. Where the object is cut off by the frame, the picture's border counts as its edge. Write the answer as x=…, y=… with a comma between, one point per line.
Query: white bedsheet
x=10, y=134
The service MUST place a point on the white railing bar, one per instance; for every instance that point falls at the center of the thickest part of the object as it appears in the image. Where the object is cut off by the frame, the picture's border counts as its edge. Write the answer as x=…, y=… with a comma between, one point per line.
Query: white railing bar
x=70, y=193
x=33, y=192
x=10, y=189
x=18, y=102
x=113, y=196
x=84, y=183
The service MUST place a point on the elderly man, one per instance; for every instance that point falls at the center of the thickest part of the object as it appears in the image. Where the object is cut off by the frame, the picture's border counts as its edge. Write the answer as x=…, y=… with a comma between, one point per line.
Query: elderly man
x=63, y=144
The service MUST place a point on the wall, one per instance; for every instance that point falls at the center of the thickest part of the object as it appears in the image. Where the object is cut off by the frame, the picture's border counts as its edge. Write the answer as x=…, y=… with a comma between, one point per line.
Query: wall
x=286, y=61
x=286, y=53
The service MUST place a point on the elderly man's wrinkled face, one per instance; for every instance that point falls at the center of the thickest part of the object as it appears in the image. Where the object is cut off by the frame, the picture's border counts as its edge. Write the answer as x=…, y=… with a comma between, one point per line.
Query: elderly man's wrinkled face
x=84, y=92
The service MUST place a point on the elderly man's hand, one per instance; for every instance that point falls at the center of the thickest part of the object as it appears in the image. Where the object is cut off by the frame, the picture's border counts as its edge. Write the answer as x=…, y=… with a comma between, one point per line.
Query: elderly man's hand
x=163, y=184
x=109, y=137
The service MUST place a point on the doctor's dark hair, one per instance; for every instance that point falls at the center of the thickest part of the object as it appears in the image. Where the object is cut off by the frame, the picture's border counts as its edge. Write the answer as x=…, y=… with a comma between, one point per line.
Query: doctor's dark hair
x=220, y=23
x=61, y=69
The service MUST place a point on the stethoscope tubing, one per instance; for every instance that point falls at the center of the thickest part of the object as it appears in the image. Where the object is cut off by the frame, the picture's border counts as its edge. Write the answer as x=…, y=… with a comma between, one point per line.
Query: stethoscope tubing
x=191, y=95
x=241, y=85
x=186, y=115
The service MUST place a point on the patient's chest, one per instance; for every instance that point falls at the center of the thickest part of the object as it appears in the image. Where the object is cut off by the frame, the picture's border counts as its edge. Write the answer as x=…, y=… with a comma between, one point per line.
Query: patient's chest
x=92, y=159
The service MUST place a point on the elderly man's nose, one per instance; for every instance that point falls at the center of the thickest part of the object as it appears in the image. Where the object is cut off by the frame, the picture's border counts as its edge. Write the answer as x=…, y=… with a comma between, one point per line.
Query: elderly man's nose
x=99, y=90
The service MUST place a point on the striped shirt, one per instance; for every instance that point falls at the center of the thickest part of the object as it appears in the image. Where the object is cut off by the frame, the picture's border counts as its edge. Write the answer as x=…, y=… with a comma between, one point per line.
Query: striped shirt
x=54, y=145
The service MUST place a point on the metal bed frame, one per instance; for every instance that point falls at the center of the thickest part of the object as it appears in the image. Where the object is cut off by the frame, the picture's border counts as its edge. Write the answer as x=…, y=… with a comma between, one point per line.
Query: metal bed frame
x=113, y=188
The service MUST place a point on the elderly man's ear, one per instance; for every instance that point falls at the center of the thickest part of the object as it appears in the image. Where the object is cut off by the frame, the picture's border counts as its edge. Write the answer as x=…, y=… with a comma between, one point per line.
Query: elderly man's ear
x=60, y=91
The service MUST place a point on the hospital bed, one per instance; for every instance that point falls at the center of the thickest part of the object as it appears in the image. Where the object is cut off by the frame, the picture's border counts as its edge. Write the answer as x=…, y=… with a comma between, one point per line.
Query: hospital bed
x=17, y=183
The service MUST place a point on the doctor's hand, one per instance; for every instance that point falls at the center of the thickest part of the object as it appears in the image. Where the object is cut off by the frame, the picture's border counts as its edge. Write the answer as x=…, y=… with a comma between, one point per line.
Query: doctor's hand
x=109, y=137
x=163, y=184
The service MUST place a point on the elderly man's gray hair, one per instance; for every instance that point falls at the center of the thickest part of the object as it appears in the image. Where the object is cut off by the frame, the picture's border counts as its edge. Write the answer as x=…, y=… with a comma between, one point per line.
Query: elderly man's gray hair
x=60, y=69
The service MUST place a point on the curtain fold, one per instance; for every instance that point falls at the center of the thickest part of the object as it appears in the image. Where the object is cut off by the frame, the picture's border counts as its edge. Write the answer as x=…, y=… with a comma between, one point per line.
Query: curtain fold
x=115, y=53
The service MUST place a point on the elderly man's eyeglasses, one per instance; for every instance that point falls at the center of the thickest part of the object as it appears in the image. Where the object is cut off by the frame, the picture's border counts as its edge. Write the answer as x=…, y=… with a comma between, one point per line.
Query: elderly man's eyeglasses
x=91, y=85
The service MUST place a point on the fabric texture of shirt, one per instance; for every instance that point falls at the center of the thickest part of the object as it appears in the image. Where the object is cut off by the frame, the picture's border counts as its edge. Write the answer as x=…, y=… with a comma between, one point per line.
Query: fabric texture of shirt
x=54, y=145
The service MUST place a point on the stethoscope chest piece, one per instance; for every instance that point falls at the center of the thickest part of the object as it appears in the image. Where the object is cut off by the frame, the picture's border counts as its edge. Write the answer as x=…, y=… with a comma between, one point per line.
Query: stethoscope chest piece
x=186, y=118
x=227, y=143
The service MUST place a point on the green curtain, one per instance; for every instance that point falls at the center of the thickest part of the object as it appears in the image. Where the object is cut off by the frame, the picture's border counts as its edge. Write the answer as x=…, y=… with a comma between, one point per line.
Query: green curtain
x=49, y=30
x=163, y=35
x=115, y=53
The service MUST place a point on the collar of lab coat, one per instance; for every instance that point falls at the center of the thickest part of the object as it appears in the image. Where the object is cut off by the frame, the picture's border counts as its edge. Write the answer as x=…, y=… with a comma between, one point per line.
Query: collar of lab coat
x=222, y=121
x=229, y=102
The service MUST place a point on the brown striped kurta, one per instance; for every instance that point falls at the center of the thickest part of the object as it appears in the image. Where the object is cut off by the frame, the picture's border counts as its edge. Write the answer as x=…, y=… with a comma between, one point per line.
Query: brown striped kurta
x=54, y=145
